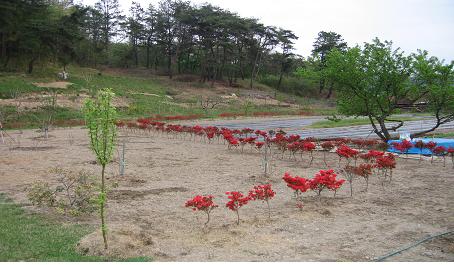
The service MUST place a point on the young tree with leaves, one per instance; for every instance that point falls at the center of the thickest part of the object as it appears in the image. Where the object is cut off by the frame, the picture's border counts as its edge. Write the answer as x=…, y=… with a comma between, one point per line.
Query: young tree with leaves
x=100, y=116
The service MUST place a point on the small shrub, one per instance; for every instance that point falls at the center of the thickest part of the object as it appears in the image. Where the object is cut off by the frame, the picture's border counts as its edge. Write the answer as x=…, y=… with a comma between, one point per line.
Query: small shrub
x=264, y=193
x=237, y=200
x=75, y=194
x=41, y=194
x=202, y=203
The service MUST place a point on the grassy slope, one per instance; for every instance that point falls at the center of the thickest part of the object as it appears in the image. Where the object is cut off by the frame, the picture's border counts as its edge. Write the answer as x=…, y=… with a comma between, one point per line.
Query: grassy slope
x=25, y=237
x=129, y=86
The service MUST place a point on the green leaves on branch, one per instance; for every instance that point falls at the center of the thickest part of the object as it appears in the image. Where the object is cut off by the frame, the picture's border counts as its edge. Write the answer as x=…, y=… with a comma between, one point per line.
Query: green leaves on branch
x=100, y=116
x=374, y=80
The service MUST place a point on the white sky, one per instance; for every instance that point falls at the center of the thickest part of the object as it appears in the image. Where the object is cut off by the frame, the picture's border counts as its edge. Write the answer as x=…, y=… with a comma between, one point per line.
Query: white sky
x=410, y=24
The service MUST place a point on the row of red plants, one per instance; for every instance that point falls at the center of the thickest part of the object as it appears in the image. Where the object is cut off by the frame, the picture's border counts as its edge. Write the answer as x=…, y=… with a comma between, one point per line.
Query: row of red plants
x=323, y=180
x=404, y=146
x=237, y=200
x=291, y=144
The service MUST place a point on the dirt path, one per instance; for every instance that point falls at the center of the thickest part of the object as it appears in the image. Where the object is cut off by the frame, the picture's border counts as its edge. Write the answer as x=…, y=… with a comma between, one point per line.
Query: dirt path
x=146, y=214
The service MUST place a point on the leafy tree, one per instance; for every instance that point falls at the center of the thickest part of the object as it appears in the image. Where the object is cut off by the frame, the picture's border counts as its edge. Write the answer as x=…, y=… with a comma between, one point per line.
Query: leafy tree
x=324, y=43
x=435, y=82
x=111, y=17
x=286, y=38
x=372, y=80
x=100, y=117
x=135, y=29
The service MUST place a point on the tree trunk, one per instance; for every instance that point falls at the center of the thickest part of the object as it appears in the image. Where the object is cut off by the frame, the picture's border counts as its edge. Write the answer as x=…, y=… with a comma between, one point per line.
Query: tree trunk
x=30, y=65
x=330, y=92
x=103, y=221
x=280, y=80
x=321, y=85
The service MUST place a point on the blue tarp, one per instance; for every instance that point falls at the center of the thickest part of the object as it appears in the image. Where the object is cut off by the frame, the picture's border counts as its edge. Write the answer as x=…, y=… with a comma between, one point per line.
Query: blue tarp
x=440, y=142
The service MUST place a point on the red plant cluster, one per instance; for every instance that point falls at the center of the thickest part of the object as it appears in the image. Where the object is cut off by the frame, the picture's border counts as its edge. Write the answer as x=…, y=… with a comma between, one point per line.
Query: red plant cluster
x=440, y=151
x=344, y=151
x=325, y=179
x=371, y=155
x=386, y=162
x=402, y=146
x=298, y=184
x=363, y=170
x=264, y=193
x=237, y=200
x=202, y=203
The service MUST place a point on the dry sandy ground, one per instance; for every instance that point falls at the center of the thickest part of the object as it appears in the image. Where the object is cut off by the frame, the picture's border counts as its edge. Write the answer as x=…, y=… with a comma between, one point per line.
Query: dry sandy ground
x=146, y=214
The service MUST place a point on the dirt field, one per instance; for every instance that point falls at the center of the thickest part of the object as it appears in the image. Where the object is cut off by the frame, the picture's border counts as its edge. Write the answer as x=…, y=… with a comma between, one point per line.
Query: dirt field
x=147, y=217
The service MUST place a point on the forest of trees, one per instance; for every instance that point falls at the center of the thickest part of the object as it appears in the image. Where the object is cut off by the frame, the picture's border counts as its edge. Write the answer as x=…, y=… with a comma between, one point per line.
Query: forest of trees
x=173, y=37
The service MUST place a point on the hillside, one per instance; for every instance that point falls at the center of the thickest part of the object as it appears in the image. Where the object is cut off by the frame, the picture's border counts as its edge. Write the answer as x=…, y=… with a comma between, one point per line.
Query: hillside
x=39, y=98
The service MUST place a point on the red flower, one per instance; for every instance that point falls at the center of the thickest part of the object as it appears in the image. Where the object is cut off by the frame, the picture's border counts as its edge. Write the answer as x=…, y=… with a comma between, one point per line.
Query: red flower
x=308, y=146
x=202, y=203
x=347, y=152
x=440, y=150
x=325, y=179
x=430, y=145
x=386, y=162
x=296, y=183
x=237, y=200
x=328, y=145
x=259, y=145
x=372, y=154
x=262, y=192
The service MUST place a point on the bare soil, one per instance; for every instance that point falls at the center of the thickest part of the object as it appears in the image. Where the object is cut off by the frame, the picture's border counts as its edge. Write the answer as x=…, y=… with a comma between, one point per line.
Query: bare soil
x=147, y=217
x=56, y=84
x=37, y=100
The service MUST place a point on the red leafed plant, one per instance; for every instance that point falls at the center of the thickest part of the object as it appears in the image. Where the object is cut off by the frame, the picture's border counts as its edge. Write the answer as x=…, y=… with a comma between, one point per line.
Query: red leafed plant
x=309, y=147
x=420, y=145
x=237, y=200
x=431, y=146
x=259, y=145
x=202, y=203
x=264, y=193
x=325, y=179
x=371, y=155
x=441, y=151
x=451, y=154
x=386, y=164
x=403, y=146
x=327, y=146
x=298, y=184
x=347, y=153
x=363, y=170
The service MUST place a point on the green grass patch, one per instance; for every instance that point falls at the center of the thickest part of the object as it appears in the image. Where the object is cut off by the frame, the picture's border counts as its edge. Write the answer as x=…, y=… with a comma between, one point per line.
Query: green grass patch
x=449, y=135
x=350, y=122
x=29, y=237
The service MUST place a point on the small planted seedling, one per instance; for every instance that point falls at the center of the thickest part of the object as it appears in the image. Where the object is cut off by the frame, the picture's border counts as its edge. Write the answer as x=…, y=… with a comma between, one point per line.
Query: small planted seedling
x=100, y=116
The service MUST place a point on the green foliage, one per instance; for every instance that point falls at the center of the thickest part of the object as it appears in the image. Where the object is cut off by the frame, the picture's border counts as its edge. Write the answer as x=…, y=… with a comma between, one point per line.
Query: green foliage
x=375, y=79
x=100, y=116
x=295, y=85
x=41, y=194
x=26, y=237
x=372, y=81
x=435, y=80
x=74, y=194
